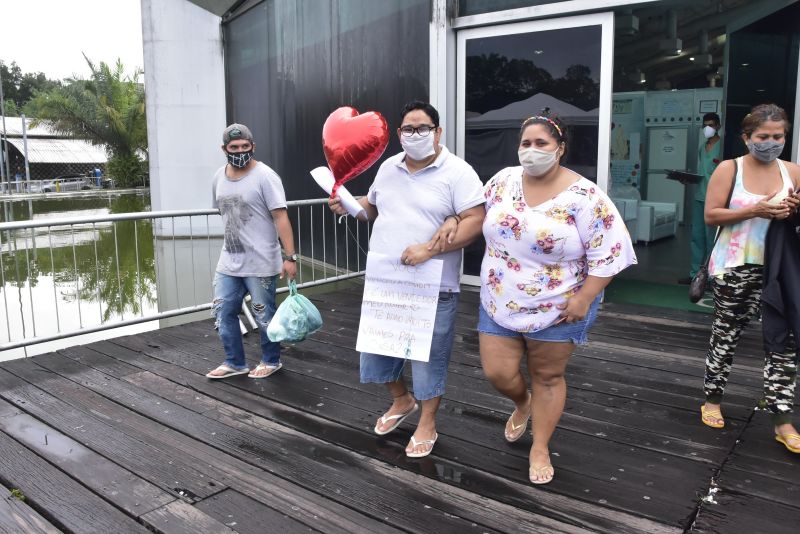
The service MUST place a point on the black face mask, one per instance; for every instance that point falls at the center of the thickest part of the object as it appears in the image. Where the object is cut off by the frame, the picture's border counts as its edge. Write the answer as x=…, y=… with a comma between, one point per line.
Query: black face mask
x=240, y=159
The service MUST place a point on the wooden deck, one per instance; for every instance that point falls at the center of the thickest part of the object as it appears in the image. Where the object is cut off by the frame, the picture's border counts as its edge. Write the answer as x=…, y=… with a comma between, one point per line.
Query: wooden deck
x=128, y=436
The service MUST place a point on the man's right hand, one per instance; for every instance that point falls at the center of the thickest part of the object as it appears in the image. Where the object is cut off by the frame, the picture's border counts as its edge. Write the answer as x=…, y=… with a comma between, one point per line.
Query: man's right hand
x=335, y=204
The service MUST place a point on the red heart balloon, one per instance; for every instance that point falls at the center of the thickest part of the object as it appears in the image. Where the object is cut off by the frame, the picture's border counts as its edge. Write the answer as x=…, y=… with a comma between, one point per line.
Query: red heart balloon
x=353, y=142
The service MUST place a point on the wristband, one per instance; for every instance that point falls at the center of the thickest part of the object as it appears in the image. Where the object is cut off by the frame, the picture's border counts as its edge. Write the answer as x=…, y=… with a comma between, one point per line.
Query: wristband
x=457, y=218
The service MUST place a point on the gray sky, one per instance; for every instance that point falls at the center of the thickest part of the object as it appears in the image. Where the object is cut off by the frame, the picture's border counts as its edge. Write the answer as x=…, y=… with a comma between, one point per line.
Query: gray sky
x=50, y=35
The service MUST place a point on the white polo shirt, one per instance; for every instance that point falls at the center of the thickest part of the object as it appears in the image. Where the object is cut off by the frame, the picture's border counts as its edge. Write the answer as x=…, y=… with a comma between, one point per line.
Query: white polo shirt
x=411, y=207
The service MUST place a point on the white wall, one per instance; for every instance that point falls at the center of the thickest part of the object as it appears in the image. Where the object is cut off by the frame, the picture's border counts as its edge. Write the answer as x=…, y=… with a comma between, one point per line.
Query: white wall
x=185, y=98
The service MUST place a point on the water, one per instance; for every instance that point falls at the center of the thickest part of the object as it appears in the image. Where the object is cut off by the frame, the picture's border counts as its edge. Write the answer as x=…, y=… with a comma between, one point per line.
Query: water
x=71, y=277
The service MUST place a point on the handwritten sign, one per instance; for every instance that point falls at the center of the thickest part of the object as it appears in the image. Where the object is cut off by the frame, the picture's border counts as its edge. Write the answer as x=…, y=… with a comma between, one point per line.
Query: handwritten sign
x=399, y=307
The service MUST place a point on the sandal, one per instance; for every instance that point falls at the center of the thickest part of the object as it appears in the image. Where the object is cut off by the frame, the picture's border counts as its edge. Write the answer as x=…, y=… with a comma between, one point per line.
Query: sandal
x=516, y=431
x=399, y=418
x=271, y=369
x=544, y=474
x=225, y=370
x=784, y=438
x=414, y=444
x=710, y=417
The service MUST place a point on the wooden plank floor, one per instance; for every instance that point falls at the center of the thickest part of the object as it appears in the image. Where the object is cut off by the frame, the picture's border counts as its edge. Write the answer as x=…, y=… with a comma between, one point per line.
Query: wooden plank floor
x=127, y=435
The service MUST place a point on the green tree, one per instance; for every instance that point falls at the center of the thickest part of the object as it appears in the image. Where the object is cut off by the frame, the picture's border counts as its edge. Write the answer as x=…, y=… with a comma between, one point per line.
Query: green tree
x=107, y=109
x=19, y=87
x=10, y=108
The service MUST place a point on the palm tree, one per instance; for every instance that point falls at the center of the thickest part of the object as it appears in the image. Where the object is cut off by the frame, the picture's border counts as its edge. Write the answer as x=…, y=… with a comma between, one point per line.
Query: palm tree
x=107, y=109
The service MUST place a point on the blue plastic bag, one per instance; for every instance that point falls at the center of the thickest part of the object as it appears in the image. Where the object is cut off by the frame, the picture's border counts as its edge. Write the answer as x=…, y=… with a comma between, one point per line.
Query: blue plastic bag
x=295, y=319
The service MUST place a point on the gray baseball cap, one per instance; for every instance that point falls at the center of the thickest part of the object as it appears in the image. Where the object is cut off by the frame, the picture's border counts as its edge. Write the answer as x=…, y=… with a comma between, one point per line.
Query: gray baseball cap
x=236, y=131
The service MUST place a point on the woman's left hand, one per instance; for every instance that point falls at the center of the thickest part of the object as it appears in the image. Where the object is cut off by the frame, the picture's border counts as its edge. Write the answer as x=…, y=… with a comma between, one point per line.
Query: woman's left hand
x=416, y=254
x=576, y=310
x=444, y=235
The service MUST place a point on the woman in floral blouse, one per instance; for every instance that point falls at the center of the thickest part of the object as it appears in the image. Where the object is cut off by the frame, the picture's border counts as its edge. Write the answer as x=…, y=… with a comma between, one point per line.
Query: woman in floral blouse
x=553, y=242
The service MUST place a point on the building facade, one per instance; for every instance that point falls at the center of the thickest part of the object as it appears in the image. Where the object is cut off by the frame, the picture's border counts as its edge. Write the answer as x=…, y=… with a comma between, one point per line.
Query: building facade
x=632, y=80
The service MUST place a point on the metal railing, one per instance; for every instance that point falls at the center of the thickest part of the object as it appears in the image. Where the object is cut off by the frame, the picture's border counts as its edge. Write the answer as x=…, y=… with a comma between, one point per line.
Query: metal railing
x=65, y=277
x=54, y=186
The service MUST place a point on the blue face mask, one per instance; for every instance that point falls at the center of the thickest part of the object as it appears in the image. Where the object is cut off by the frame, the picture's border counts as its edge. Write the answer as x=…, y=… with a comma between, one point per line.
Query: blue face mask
x=766, y=151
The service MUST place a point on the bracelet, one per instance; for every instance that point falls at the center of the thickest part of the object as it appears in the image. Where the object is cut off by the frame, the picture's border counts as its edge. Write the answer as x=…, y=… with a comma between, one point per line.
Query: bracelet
x=457, y=218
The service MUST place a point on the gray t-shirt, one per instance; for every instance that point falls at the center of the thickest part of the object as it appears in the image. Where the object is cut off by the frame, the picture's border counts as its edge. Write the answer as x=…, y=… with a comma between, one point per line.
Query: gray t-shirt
x=251, y=245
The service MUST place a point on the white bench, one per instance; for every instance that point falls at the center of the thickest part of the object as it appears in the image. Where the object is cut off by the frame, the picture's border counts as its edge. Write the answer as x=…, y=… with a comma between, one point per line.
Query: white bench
x=629, y=211
x=656, y=220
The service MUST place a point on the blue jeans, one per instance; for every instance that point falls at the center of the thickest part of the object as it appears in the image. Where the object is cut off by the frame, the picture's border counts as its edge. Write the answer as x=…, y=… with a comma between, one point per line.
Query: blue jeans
x=229, y=292
x=429, y=378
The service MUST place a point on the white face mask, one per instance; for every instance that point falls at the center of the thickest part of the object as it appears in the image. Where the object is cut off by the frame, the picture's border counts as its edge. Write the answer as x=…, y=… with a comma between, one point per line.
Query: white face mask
x=709, y=132
x=417, y=147
x=537, y=162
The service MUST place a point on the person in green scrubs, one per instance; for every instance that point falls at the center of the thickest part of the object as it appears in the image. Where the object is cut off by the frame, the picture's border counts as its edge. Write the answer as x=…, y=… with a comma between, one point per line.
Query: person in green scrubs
x=709, y=154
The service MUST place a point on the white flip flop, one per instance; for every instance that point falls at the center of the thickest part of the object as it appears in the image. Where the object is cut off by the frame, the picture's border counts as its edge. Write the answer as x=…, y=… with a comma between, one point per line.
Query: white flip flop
x=414, y=444
x=229, y=371
x=399, y=418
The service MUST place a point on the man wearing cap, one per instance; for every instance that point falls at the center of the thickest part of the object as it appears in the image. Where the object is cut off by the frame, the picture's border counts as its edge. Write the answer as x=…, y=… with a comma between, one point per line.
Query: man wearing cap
x=252, y=202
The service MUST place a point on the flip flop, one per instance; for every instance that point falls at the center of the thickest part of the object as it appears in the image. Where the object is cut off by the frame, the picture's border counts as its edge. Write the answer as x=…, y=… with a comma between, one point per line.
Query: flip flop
x=399, y=418
x=540, y=472
x=271, y=369
x=707, y=417
x=785, y=440
x=517, y=431
x=228, y=371
x=414, y=443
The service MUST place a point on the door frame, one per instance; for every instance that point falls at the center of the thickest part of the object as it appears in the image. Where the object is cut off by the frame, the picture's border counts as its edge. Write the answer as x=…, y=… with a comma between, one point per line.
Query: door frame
x=604, y=20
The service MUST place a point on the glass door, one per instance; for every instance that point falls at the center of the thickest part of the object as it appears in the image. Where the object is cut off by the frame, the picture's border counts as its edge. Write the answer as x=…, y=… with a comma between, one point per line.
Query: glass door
x=508, y=72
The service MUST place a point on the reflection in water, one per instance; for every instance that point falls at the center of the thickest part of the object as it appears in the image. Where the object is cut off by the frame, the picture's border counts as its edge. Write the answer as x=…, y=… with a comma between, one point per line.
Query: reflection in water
x=126, y=248
x=65, y=278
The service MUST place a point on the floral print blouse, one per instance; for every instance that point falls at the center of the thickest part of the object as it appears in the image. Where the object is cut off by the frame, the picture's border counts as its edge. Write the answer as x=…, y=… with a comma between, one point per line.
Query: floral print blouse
x=538, y=257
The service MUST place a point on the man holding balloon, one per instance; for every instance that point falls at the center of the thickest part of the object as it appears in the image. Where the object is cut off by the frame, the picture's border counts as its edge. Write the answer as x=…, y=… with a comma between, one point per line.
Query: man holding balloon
x=412, y=195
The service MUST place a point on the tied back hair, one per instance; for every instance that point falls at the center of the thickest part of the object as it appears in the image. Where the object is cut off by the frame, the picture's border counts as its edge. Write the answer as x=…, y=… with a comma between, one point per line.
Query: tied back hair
x=554, y=125
x=764, y=113
x=551, y=122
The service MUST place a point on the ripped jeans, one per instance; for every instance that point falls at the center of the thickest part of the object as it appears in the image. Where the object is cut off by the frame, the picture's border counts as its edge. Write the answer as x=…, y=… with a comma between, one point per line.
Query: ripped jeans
x=229, y=292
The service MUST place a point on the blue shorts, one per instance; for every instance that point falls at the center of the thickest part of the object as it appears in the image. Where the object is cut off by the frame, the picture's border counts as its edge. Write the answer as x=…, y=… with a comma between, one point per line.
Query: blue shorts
x=577, y=333
x=429, y=378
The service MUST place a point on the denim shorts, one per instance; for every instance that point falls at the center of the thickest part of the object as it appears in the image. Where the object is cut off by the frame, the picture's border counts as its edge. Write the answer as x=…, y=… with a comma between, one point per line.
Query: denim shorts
x=429, y=378
x=577, y=333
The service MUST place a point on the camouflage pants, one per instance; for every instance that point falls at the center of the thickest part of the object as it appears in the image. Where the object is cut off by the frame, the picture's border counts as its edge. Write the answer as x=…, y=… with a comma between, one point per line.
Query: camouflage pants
x=736, y=300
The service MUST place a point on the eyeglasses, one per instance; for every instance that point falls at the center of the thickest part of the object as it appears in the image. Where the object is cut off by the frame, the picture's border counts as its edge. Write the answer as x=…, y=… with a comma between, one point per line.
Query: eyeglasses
x=423, y=130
